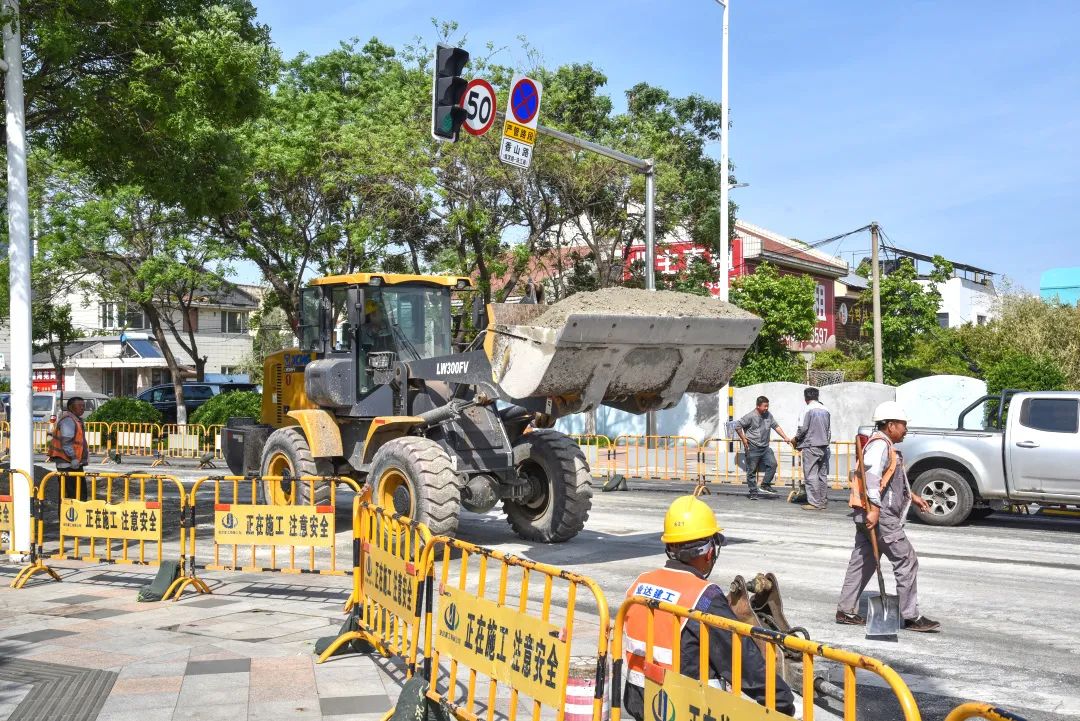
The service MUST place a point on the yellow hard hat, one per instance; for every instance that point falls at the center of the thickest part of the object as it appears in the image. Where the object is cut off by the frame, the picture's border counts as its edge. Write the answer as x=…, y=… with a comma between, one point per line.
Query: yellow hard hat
x=689, y=519
x=370, y=306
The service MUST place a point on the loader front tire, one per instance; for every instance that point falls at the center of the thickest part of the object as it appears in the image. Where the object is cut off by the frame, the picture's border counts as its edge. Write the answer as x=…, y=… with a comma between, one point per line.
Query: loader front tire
x=287, y=453
x=559, y=474
x=413, y=476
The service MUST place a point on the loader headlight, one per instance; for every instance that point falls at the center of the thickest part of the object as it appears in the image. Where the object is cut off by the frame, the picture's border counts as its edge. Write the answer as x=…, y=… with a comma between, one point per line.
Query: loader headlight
x=462, y=284
x=375, y=281
x=380, y=361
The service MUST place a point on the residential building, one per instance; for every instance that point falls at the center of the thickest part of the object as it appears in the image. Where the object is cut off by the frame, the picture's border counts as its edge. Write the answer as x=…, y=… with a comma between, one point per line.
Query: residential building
x=1061, y=285
x=969, y=296
x=117, y=354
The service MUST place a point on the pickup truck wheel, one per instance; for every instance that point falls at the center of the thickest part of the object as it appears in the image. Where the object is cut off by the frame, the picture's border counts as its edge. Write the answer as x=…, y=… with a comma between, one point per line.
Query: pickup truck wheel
x=948, y=494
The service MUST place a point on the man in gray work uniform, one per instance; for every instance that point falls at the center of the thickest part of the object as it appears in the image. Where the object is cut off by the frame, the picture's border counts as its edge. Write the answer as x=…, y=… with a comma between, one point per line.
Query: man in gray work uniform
x=755, y=430
x=812, y=440
x=883, y=479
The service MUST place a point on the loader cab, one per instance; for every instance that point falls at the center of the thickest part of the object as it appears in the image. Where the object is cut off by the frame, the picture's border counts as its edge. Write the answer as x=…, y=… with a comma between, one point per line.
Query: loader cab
x=375, y=320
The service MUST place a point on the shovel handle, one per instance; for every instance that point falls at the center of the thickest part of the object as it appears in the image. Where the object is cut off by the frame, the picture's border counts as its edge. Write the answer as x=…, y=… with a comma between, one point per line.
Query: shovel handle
x=877, y=561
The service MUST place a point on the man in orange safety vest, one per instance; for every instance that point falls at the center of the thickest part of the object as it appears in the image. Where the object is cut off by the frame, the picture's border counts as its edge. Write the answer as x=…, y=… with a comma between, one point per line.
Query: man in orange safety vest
x=692, y=540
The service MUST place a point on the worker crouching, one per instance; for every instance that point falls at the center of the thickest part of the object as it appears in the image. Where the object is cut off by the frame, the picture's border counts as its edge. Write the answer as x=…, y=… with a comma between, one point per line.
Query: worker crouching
x=692, y=540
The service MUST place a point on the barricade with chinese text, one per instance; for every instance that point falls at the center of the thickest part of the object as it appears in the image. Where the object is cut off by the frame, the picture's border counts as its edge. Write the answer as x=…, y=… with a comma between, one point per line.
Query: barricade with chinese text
x=495, y=617
x=9, y=480
x=676, y=693
x=106, y=518
x=276, y=538
x=389, y=582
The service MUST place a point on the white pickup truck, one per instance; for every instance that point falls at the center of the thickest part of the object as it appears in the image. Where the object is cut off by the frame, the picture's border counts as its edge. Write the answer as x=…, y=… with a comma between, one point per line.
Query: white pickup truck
x=1018, y=448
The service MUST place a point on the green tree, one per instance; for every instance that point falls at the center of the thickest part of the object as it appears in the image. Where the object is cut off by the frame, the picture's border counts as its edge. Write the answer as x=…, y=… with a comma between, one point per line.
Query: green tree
x=147, y=92
x=1023, y=372
x=785, y=304
x=908, y=309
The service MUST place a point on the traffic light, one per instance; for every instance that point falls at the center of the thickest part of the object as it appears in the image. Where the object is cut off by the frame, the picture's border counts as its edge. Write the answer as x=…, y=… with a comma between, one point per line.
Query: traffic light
x=448, y=86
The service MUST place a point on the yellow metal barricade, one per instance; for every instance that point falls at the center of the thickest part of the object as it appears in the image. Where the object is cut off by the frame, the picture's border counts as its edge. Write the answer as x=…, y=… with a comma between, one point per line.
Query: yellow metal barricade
x=597, y=450
x=184, y=441
x=389, y=581
x=274, y=538
x=42, y=435
x=842, y=463
x=134, y=439
x=213, y=440
x=97, y=438
x=513, y=622
x=986, y=711
x=675, y=692
x=8, y=521
x=656, y=458
x=106, y=517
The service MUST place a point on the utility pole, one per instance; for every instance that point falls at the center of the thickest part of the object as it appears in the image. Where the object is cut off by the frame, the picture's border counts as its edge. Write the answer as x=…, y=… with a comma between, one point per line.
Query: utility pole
x=21, y=421
x=725, y=231
x=879, y=376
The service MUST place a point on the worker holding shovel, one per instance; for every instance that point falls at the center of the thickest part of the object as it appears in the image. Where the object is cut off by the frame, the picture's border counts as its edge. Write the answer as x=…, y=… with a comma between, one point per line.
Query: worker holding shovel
x=881, y=496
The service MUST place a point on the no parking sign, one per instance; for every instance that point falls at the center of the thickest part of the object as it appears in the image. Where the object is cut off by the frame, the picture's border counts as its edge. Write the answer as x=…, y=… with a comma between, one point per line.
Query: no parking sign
x=522, y=116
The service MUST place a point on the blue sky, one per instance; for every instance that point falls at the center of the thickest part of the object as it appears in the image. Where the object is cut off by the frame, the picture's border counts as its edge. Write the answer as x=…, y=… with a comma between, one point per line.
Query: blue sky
x=955, y=125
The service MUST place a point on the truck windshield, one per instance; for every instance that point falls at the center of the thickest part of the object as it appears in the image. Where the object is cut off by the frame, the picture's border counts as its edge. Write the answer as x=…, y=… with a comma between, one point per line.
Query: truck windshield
x=420, y=315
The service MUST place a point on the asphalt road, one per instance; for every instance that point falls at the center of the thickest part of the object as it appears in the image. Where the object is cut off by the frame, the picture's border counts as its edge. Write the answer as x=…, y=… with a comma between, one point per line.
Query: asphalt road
x=1006, y=589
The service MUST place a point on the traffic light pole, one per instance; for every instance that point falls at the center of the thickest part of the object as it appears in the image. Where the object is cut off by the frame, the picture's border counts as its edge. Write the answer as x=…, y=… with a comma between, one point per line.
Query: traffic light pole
x=648, y=168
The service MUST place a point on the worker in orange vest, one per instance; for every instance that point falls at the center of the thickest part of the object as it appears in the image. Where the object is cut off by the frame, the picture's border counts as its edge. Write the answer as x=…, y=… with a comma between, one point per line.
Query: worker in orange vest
x=67, y=449
x=692, y=540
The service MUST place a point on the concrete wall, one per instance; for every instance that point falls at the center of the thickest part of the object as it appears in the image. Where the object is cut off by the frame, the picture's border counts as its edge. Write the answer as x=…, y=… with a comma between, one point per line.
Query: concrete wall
x=933, y=402
x=936, y=401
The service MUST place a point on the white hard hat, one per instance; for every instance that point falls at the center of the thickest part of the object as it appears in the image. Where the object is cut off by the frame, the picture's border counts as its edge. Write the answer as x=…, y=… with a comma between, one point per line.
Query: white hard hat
x=890, y=411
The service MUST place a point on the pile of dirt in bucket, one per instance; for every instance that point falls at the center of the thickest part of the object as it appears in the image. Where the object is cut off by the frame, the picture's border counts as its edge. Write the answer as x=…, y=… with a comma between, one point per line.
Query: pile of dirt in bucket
x=637, y=302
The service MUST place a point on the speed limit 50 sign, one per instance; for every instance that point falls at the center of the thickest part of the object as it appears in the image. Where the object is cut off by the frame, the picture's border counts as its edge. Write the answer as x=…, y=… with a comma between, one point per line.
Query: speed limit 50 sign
x=479, y=102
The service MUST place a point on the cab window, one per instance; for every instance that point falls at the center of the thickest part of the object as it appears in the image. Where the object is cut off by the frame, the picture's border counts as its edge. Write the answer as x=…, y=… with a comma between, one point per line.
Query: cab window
x=309, y=319
x=340, y=329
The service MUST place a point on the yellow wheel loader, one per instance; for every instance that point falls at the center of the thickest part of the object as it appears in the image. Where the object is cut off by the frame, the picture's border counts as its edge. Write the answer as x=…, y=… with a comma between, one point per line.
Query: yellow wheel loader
x=376, y=392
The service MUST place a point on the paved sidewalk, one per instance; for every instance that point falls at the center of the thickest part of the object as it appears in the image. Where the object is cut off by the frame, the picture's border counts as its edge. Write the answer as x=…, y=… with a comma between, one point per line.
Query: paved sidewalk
x=85, y=649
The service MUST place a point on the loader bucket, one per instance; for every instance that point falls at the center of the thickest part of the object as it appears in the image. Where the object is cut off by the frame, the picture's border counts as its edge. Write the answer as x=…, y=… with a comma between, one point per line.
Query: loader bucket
x=642, y=356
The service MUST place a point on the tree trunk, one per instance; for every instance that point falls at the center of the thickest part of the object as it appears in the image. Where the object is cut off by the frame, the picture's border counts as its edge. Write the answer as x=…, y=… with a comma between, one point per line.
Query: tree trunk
x=200, y=369
x=170, y=360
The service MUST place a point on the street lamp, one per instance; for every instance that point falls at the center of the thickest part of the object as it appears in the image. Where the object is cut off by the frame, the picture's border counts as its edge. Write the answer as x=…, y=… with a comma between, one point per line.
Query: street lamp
x=725, y=251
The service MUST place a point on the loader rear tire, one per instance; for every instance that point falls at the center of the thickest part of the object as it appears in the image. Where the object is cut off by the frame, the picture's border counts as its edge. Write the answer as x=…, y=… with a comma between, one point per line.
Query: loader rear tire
x=414, y=477
x=287, y=451
x=557, y=468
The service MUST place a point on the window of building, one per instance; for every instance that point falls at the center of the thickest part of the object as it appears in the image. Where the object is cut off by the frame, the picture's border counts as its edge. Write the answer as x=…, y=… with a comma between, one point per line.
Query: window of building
x=231, y=370
x=191, y=321
x=116, y=316
x=233, y=321
x=159, y=376
x=980, y=320
x=1056, y=415
x=943, y=320
x=819, y=302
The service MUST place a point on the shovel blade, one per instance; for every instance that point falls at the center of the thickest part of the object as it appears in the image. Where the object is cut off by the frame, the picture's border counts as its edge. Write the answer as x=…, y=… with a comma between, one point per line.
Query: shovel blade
x=883, y=619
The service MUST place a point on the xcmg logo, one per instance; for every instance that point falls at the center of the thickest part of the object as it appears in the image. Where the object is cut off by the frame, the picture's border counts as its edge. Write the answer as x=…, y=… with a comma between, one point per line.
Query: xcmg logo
x=451, y=618
x=662, y=708
x=229, y=521
x=71, y=515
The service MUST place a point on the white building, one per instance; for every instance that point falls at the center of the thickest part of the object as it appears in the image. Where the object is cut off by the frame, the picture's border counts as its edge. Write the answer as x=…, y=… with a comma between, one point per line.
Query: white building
x=117, y=353
x=969, y=296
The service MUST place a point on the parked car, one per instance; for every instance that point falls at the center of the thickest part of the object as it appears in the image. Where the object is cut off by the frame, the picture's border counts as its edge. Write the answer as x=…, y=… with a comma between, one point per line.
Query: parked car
x=163, y=397
x=1016, y=448
x=48, y=405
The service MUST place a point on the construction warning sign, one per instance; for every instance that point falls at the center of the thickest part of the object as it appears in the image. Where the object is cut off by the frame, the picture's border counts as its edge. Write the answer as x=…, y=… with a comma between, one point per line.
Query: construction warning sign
x=256, y=525
x=681, y=698
x=520, y=650
x=7, y=508
x=131, y=520
x=390, y=581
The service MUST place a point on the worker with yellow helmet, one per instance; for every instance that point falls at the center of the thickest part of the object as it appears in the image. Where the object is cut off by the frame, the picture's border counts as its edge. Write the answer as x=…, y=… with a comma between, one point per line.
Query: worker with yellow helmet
x=692, y=540
x=374, y=331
